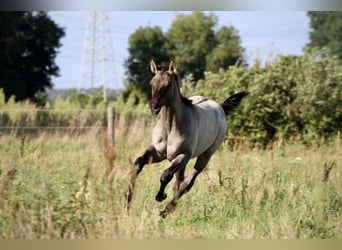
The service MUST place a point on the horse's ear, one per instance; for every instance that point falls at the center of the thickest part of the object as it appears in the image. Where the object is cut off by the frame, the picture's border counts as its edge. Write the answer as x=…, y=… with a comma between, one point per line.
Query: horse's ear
x=172, y=66
x=153, y=67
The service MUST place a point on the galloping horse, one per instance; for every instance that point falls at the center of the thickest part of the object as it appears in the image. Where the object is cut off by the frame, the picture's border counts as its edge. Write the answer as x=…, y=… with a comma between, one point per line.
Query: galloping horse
x=187, y=128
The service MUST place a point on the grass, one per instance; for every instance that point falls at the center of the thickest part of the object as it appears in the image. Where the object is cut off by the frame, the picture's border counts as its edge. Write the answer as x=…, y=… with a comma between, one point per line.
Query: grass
x=60, y=186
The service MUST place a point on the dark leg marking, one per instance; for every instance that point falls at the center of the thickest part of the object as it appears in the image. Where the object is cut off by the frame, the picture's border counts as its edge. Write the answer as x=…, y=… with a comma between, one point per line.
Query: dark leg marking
x=177, y=164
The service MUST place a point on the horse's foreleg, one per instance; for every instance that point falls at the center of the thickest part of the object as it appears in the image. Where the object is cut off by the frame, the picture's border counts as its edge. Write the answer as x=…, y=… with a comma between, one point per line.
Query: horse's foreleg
x=186, y=185
x=150, y=156
x=178, y=164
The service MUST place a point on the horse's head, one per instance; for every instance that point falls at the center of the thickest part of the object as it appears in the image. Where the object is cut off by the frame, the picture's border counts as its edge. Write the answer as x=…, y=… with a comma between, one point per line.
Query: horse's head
x=163, y=84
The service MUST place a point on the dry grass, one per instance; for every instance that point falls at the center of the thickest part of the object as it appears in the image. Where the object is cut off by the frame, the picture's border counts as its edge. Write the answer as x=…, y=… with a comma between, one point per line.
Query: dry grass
x=55, y=186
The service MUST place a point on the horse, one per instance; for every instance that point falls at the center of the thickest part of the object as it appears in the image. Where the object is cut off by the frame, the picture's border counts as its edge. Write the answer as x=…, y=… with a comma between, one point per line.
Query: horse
x=187, y=128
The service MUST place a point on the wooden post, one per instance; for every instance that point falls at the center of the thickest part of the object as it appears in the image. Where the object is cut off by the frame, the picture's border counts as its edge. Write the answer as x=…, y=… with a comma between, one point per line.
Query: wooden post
x=110, y=125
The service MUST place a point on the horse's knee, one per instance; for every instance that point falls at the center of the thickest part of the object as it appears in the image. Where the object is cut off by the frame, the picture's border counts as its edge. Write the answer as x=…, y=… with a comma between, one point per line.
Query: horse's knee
x=138, y=164
x=166, y=176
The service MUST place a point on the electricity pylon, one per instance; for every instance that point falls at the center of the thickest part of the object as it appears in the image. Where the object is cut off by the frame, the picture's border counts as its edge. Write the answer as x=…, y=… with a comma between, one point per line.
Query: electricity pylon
x=97, y=66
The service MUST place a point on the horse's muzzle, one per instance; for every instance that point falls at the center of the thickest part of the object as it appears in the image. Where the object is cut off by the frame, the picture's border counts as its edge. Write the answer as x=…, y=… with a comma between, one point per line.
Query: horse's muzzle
x=155, y=111
x=155, y=107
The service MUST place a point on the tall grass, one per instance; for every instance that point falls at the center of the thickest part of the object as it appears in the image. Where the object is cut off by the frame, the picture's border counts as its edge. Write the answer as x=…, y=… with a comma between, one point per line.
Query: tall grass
x=55, y=186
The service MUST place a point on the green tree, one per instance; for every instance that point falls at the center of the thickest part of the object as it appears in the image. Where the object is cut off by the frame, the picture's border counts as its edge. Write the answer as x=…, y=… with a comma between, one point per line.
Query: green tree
x=11, y=49
x=326, y=31
x=191, y=40
x=228, y=50
x=144, y=44
x=29, y=45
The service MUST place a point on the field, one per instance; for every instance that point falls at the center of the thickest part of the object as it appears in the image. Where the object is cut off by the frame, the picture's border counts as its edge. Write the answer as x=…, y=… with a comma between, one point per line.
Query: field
x=64, y=186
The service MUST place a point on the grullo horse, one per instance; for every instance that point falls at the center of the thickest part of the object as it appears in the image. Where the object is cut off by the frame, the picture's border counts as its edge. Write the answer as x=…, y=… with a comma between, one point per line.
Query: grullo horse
x=188, y=128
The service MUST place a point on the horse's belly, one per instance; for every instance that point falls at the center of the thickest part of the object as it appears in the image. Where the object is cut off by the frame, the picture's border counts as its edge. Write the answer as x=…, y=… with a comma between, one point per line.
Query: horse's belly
x=206, y=143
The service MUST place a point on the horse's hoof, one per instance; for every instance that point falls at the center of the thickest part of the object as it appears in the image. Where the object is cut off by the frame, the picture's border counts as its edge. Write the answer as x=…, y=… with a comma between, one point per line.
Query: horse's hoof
x=161, y=197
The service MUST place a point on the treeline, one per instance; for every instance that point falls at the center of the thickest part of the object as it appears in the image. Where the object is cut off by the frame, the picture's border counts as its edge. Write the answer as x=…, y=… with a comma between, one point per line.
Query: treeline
x=291, y=98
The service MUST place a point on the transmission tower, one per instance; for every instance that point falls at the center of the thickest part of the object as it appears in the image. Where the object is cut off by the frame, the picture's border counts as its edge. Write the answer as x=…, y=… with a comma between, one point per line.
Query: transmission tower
x=97, y=66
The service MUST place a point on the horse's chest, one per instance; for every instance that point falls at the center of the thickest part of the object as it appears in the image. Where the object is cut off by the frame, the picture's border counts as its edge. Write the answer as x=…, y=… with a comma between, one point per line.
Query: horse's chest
x=169, y=144
x=160, y=144
x=175, y=145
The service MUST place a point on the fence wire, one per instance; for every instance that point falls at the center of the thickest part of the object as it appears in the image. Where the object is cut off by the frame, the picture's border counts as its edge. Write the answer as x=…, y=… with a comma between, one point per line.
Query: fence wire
x=71, y=120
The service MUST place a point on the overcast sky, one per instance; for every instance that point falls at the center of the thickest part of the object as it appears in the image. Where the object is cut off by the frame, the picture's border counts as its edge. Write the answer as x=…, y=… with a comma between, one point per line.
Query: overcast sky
x=262, y=33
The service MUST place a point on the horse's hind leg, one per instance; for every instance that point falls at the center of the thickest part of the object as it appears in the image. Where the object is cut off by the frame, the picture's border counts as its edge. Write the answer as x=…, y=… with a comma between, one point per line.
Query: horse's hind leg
x=150, y=156
x=179, y=179
x=188, y=182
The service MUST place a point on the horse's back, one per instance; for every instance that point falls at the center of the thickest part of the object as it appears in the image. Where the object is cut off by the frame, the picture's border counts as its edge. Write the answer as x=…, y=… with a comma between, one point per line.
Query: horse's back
x=197, y=99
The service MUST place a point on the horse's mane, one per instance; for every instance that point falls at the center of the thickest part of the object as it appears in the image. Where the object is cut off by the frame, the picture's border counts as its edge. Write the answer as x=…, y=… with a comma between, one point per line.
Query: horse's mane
x=164, y=66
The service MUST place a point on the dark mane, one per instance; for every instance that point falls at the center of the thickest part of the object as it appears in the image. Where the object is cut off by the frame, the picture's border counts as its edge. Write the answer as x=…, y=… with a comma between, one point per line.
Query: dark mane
x=164, y=66
x=186, y=101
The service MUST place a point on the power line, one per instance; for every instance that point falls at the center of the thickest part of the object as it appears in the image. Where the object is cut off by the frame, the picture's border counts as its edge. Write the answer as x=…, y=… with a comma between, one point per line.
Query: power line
x=98, y=65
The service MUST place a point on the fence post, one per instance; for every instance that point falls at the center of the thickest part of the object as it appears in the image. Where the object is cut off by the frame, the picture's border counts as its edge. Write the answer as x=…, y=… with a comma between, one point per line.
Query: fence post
x=110, y=124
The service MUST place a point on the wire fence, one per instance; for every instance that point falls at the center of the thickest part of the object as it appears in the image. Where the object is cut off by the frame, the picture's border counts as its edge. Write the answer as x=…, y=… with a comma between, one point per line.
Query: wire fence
x=71, y=121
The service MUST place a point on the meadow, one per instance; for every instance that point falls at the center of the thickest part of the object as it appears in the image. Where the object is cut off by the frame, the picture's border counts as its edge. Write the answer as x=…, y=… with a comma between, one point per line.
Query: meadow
x=58, y=185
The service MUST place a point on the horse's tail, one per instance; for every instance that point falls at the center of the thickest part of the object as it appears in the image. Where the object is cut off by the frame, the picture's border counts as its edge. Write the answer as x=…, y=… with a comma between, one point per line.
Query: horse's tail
x=232, y=102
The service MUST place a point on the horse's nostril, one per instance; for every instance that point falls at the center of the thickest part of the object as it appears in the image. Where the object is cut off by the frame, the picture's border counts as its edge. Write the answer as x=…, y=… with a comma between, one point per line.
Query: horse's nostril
x=155, y=107
x=156, y=110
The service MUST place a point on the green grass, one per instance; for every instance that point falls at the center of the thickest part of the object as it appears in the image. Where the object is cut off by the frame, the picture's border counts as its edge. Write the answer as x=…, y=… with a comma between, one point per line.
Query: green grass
x=56, y=186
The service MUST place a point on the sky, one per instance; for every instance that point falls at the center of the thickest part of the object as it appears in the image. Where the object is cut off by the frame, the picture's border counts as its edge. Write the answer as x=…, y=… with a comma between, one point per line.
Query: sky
x=264, y=34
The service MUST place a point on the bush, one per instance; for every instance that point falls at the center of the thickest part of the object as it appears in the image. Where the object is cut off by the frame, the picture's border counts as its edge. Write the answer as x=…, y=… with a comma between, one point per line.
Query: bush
x=291, y=97
x=131, y=103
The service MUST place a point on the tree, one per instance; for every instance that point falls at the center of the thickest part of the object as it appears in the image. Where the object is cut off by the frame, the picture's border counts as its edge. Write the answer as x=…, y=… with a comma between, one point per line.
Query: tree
x=227, y=52
x=11, y=47
x=144, y=44
x=29, y=45
x=192, y=41
x=326, y=31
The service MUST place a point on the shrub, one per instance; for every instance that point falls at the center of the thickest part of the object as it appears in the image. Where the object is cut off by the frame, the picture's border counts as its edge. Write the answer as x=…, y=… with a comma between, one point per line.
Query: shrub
x=291, y=97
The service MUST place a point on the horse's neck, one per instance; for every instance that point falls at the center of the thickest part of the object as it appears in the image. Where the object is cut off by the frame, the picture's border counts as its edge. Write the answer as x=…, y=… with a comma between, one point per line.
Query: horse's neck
x=172, y=115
